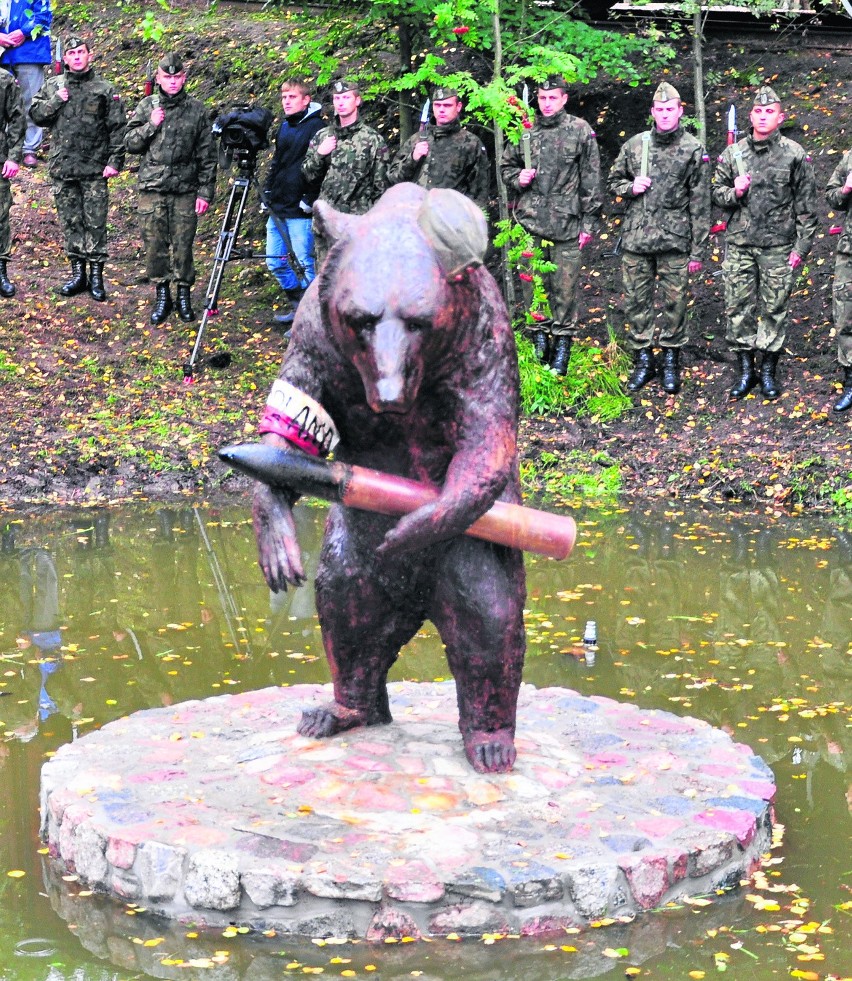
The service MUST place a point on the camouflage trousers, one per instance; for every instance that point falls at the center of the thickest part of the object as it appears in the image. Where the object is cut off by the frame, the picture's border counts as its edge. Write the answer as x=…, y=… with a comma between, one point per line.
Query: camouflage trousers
x=5, y=227
x=168, y=223
x=758, y=283
x=640, y=271
x=82, y=206
x=842, y=308
x=561, y=287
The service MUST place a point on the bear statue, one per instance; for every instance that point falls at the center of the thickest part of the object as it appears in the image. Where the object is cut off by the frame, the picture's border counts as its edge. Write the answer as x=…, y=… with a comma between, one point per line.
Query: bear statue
x=403, y=347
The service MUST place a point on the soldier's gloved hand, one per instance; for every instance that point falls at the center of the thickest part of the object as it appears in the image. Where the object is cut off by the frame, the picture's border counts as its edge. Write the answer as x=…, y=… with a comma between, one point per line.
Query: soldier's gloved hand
x=526, y=177
x=640, y=185
x=63, y=94
x=10, y=169
x=110, y=172
x=157, y=116
x=421, y=149
x=794, y=259
x=583, y=239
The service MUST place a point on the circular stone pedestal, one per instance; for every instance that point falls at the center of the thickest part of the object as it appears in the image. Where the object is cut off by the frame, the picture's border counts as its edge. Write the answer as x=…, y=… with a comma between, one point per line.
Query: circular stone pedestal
x=217, y=812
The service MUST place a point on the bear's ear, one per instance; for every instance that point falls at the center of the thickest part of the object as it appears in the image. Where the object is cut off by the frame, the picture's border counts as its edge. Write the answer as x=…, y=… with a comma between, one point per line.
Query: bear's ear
x=332, y=225
x=456, y=230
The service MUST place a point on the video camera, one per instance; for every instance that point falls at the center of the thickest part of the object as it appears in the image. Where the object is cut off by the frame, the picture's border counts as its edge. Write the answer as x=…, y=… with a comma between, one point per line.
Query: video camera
x=243, y=132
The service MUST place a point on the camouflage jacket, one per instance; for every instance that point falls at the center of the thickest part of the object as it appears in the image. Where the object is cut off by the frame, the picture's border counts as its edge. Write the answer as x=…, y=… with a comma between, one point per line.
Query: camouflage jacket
x=456, y=159
x=13, y=121
x=179, y=155
x=840, y=201
x=354, y=175
x=779, y=208
x=673, y=215
x=564, y=198
x=87, y=131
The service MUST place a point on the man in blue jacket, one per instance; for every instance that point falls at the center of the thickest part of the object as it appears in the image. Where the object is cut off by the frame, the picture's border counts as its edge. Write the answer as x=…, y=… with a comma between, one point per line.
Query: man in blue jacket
x=25, y=47
x=289, y=196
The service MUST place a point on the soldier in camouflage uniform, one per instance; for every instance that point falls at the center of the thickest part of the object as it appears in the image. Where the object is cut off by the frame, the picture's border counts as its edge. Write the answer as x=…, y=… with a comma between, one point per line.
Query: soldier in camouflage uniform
x=177, y=179
x=559, y=200
x=766, y=184
x=350, y=159
x=839, y=195
x=446, y=154
x=86, y=118
x=13, y=125
x=661, y=176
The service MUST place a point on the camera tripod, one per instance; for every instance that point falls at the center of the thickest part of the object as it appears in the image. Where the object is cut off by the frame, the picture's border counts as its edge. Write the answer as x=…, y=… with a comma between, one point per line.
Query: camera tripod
x=231, y=222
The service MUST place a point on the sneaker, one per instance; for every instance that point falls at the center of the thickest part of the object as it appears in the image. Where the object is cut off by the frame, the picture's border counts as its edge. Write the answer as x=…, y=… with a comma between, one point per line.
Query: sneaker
x=30, y=160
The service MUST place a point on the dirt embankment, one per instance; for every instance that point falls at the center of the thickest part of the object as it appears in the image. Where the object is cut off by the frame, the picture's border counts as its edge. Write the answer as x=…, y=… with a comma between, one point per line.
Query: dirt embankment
x=94, y=405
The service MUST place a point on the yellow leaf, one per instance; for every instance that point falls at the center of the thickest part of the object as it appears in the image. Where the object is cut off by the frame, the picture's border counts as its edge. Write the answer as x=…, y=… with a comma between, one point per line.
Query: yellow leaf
x=16, y=874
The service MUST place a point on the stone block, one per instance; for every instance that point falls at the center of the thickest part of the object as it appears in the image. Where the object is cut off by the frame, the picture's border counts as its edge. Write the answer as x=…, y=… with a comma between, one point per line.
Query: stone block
x=590, y=887
x=212, y=880
x=160, y=869
x=349, y=886
x=266, y=887
x=534, y=885
x=648, y=877
x=471, y=919
x=392, y=924
x=479, y=883
x=89, y=855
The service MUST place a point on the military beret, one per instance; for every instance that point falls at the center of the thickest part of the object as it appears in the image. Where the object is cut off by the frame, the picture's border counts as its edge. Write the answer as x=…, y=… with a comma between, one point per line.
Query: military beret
x=553, y=82
x=344, y=85
x=75, y=41
x=765, y=96
x=171, y=64
x=665, y=92
x=443, y=92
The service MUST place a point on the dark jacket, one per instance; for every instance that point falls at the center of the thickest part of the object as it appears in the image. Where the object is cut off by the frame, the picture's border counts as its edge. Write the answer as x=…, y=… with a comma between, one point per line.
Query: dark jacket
x=674, y=213
x=13, y=122
x=87, y=131
x=564, y=199
x=840, y=201
x=285, y=187
x=779, y=208
x=34, y=18
x=179, y=155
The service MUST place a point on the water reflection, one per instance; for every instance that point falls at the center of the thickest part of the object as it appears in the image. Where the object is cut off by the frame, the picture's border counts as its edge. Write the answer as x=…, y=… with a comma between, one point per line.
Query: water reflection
x=734, y=620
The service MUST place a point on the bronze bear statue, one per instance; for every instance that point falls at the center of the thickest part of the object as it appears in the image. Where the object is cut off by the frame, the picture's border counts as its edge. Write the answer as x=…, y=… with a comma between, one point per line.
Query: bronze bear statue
x=404, y=347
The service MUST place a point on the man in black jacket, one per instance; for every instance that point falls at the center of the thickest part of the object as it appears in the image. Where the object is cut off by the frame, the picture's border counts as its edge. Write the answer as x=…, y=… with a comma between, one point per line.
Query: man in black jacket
x=289, y=196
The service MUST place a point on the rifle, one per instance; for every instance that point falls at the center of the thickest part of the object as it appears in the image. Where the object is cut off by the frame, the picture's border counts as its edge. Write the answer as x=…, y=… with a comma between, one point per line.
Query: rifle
x=733, y=133
x=424, y=119
x=149, y=78
x=58, y=67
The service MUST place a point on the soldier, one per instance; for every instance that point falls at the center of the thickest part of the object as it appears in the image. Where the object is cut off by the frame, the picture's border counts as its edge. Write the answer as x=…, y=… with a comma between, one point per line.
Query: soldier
x=766, y=183
x=559, y=201
x=288, y=195
x=446, y=154
x=177, y=179
x=86, y=118
x=839, y=194
x=13, y=126
x=661, y=177
x=348, y=157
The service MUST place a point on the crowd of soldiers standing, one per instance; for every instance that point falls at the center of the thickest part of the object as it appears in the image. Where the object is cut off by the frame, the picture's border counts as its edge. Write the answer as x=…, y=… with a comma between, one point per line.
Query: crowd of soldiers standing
x=764, y=183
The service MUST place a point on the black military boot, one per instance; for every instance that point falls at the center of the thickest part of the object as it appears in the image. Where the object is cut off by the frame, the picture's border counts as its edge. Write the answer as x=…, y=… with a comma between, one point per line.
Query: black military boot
x=748, y=378
x=77, y=283
x=845, y=400
x=644, y=369
x=560, y=354
x=768, y=385
x=96, y=281
x=184, y=303
x=671, y=370
x=162, y=304
x=7, y=287
x=541, y=344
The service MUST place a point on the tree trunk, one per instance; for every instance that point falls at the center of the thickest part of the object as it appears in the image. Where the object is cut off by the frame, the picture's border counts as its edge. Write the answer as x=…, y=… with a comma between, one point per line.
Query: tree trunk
x=406, y=126
x=698, y=73
x=502, y=196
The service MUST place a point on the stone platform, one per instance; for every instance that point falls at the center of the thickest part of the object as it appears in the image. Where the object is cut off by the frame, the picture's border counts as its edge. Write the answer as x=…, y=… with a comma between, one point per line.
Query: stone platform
x=215, y=812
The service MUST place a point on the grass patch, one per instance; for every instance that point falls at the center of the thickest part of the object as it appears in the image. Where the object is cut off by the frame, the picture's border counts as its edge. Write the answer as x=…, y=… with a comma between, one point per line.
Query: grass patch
x=576, y=475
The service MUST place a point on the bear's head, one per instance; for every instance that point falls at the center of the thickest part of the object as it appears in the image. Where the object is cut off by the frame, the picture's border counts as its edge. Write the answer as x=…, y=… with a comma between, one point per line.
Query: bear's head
x=397, y=288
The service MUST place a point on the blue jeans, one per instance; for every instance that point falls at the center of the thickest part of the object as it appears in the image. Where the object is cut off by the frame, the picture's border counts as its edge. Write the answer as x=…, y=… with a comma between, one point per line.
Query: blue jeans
x=30, y=79
x=302, y=237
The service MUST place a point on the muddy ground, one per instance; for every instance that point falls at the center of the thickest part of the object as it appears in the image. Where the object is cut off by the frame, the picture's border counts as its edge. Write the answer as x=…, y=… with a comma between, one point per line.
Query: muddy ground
x=95, y=408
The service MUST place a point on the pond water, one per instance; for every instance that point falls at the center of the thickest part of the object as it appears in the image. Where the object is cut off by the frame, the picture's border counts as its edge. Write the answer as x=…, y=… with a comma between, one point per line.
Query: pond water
x=743, y=621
